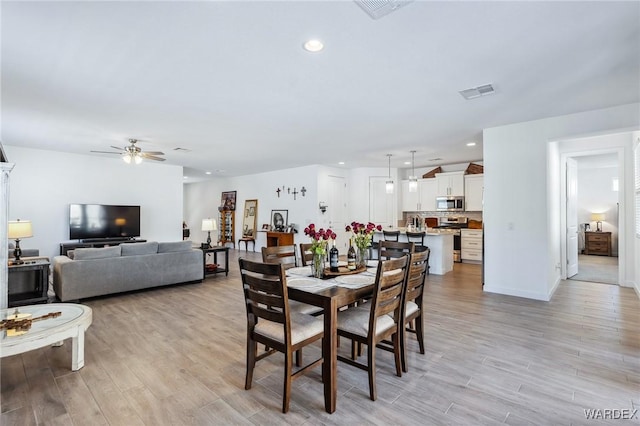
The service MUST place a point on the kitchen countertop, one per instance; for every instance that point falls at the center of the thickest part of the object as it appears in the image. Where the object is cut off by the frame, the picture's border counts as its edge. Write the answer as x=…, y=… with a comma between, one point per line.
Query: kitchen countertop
x=429, y=231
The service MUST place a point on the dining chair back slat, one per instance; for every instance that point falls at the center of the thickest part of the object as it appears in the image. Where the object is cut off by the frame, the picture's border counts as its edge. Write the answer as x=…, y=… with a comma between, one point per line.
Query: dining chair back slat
x=306, y=256
x=284, y=255
x=394, y=249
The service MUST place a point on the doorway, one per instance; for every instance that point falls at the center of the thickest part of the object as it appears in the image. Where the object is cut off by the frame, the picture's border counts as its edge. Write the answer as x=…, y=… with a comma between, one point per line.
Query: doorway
x=597, y=218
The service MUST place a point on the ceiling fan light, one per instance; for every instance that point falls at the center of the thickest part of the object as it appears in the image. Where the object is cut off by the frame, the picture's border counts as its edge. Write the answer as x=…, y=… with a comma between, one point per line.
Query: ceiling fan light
x=137, y=159
x=126, y=158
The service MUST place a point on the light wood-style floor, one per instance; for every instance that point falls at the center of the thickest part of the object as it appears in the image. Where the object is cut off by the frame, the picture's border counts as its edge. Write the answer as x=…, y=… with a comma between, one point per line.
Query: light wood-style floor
x=174, y=356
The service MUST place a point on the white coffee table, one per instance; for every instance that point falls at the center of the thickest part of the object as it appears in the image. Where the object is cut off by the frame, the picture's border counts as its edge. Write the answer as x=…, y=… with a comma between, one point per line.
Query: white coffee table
x=73, y=322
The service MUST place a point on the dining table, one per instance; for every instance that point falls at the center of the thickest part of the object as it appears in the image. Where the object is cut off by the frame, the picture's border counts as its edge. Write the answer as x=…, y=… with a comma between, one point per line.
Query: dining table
x=331, y=294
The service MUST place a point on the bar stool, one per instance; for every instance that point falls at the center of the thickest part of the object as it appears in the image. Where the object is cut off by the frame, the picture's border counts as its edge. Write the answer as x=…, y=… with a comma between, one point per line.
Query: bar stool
x=418, y=239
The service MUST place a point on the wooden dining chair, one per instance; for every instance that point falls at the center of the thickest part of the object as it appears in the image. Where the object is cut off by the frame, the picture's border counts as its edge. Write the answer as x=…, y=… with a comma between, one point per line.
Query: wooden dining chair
x=416, y=237
x=306, y=256
x=391, y=235
x=380, y=319
x=412, y=307
x=393, y=249
x=271, y=322
x=284, y=255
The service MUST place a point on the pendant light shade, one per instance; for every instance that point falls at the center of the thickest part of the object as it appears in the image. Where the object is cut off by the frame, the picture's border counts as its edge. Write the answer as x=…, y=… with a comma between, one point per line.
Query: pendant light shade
x=389, y=185
x=413, y=180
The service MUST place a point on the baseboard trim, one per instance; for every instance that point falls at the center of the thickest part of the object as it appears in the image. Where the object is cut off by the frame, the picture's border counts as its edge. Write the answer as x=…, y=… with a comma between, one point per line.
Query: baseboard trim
x=517, y=292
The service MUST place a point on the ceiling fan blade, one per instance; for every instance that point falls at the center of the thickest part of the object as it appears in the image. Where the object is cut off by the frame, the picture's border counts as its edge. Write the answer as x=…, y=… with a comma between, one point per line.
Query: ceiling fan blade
x=154, y=152
x=106, y=152
x=151, y=157
x=117, y=147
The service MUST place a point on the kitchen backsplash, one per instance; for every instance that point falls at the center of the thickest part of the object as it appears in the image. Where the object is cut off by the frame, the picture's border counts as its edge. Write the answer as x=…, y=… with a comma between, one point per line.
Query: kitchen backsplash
x=408, y=215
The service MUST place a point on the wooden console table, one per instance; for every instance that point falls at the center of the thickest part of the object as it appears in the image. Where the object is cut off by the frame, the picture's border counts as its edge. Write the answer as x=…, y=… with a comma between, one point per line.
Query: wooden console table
x=597, y=243
x=279, y=239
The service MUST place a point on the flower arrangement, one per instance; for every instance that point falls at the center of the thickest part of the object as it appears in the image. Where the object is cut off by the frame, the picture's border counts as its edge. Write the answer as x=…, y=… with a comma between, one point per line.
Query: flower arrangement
x=362, y=234
x=319, y=238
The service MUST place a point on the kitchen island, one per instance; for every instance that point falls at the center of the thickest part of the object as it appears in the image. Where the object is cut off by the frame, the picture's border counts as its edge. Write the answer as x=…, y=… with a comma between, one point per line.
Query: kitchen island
x=439, y=241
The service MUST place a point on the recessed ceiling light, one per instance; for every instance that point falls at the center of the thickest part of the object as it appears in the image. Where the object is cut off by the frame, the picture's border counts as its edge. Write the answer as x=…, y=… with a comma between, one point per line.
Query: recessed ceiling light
x=471, y=144
x=341, y=163
x=313, y=45
x=407, y=163
x=207, y=173
x=185, y=177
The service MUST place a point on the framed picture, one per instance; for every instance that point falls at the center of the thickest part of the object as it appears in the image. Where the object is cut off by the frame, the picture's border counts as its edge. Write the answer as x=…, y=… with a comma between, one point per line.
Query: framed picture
x=228, y=201
x=279, y=219
x=265, y=227
x=252, y=211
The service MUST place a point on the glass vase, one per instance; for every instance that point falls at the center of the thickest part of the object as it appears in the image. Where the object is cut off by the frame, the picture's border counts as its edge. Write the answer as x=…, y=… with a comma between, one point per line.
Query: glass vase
x=317, y=265
x=362, y=256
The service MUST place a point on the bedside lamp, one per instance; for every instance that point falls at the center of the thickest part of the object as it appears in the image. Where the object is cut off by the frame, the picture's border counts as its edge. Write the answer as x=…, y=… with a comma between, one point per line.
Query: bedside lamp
x=598, y=218
x=17, y=230
x=209, y=225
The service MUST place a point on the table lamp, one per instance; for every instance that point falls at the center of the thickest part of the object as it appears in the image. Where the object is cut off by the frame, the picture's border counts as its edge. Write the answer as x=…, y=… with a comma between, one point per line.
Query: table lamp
x=19, y=229
x=209, y=225
x=598, y=218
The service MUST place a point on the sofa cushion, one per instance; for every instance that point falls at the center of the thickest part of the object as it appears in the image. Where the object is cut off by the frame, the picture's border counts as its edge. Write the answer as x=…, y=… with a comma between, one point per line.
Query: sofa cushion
x=96, y=253
x=174, y=246
x=71, y=254
x=135, y=249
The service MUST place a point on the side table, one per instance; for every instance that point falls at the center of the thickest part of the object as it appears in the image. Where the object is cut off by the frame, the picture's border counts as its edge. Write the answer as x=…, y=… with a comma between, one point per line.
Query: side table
x=215, y=250
x=28, y=282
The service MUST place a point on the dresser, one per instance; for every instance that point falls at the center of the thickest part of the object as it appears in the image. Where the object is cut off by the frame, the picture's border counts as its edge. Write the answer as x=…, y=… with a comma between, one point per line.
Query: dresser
x=597, y=243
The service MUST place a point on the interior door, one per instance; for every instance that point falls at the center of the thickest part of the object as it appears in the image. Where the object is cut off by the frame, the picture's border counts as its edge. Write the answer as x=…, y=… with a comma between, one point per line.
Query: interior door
x=572, y=217
x=337, y=211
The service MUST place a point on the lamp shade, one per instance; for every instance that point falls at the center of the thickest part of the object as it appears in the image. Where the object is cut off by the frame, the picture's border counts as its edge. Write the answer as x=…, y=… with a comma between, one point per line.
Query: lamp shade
x=20, y=229
x=597, y=217
x=209, y=225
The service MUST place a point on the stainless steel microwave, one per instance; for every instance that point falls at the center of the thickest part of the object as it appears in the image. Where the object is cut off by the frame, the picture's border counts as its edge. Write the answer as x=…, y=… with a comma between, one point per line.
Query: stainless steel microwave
x=450, y=204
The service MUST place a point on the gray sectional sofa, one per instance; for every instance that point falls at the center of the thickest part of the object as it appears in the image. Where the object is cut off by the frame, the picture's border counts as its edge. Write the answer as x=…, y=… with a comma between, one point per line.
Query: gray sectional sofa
x=89, y=272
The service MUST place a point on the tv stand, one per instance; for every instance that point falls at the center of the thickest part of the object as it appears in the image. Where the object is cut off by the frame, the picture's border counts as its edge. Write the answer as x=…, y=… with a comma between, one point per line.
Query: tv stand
x=95, y=243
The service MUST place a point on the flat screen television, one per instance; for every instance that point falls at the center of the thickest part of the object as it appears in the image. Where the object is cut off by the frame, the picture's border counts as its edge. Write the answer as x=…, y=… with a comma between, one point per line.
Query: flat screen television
x=99, y=221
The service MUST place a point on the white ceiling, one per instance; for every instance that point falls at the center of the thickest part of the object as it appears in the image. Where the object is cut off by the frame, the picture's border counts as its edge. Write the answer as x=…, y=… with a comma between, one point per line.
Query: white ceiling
x=230, y=82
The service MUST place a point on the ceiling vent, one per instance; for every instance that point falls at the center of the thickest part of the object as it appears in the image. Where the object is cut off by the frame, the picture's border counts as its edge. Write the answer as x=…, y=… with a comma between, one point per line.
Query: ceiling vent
x=379, y=8
x=476, y=92
x=181, y=149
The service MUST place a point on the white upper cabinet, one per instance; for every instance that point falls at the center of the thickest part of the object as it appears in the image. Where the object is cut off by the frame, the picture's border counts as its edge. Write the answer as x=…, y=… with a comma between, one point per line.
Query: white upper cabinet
x=424, y=199
x=473, y=192
x=410, y=200
x=428, y=189
x=450, y=184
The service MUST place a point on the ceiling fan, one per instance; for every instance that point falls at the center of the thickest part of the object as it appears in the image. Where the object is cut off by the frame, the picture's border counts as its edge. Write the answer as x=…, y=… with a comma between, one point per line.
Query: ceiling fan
x=134, y=153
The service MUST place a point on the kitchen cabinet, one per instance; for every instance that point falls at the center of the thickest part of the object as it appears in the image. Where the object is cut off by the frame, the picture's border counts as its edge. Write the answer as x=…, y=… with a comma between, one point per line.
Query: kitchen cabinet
x=424, y=199
x=450, y=184
x=471, y=245
x=473, y=192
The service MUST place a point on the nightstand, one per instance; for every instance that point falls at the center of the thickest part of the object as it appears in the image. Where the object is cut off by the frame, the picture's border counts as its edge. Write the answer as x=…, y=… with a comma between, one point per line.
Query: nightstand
x=598, y=243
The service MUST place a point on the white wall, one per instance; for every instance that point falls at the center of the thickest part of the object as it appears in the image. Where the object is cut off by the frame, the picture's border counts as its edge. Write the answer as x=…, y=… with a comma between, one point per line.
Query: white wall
x=44, y=183
x=521, y=207
x=203, y=198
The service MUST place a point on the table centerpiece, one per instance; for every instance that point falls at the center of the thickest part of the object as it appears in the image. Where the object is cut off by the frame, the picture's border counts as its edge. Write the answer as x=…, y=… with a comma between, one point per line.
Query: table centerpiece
x=319, y=242
x=362, y=236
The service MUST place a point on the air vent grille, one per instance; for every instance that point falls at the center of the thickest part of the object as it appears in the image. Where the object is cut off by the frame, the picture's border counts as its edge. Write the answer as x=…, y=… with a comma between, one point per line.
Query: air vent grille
x=181, y=149
x=476, y=92
x=379, y=8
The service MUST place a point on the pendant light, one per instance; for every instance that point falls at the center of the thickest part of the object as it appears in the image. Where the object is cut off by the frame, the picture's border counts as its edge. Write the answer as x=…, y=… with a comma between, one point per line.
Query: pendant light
x=413, y=180
x=389, y=185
